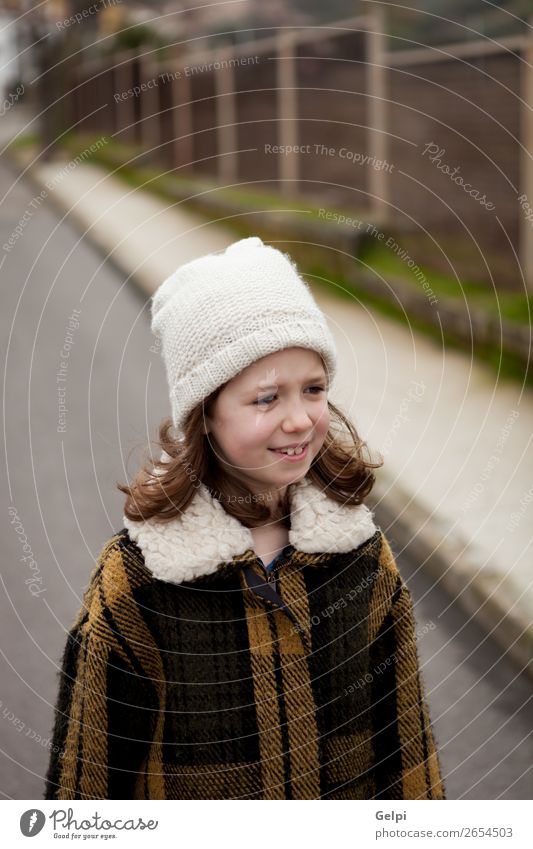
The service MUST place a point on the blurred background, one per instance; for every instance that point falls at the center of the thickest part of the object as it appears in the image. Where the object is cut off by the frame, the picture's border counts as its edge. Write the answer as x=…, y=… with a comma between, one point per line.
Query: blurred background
x=389, y=150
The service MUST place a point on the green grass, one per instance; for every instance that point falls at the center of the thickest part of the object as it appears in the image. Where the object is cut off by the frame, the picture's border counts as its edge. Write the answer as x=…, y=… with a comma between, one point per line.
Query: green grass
x=127, y=158
x=513, y=306
x=505, y=363
x=24, y=141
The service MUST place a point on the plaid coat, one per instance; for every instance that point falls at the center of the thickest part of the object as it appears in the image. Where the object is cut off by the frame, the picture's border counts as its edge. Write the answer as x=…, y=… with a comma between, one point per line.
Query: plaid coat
x=188, y=675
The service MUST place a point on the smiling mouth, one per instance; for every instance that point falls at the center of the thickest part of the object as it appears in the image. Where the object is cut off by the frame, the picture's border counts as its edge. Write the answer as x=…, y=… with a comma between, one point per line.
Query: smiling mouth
x=292, y=452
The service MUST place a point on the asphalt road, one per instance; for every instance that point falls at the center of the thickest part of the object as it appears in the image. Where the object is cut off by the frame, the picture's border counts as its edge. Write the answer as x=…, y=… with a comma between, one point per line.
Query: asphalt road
x=60, y=471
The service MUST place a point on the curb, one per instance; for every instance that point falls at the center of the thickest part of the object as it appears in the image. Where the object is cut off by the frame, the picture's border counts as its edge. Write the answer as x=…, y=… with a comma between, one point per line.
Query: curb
x=449, y=559
x=446, y=557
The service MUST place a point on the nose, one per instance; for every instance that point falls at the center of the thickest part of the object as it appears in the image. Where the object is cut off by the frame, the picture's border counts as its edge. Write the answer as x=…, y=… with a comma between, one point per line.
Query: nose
x=296, y=418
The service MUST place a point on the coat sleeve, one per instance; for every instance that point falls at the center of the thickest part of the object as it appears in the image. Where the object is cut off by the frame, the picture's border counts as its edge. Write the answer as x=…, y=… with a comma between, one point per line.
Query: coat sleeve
x=103, y=714
x=406, y=762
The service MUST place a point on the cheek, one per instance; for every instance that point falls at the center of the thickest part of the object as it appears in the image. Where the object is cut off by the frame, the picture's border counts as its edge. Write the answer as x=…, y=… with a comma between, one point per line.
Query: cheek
x=259, y=431
x=245, y=433
x=322, y=420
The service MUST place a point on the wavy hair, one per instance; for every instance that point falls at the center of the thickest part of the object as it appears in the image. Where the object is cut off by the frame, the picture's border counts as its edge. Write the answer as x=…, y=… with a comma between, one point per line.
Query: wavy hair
x=164, y=488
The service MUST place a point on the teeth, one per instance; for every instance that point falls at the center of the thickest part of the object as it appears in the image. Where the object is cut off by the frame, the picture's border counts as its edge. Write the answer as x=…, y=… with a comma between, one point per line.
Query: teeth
x=291, y=451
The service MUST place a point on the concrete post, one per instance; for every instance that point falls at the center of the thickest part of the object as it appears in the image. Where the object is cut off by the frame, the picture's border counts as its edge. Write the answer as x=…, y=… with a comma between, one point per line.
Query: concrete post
x=126, y=109
x=149, y=101
x=226, y=123
x=525, y=188
x=377, y=114
x=182, y=122
x=288, y=168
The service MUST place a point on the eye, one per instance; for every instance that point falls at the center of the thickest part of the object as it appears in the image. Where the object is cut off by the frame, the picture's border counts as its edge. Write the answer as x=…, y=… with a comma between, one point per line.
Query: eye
x=269, y=398
x=266, y=400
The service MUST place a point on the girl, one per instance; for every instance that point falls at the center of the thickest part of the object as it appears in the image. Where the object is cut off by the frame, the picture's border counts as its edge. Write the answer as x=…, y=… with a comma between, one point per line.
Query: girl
x=247, y=634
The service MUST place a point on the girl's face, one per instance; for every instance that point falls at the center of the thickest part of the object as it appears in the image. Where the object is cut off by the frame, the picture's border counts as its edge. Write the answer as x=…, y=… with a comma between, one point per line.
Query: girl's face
x=277, y=402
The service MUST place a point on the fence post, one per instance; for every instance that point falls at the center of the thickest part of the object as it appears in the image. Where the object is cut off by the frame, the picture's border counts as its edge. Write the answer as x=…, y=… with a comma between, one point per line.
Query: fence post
x=378, y=184
x=182, y=122
x=106, y=85
x=226, y=119
x=126, y=107
x=149, y=98
x=526, y=160
x=287, y=118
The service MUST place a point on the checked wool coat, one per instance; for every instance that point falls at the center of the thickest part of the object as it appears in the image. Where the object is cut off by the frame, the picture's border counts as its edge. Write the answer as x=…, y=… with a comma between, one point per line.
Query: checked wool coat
x=188, y=675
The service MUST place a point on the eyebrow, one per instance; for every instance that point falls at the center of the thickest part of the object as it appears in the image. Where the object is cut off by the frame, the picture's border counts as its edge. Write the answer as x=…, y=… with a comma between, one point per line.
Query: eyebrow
x=317, y=378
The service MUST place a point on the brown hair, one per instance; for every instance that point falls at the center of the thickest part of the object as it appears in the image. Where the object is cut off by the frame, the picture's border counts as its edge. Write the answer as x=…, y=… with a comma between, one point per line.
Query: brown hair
x=165, y=489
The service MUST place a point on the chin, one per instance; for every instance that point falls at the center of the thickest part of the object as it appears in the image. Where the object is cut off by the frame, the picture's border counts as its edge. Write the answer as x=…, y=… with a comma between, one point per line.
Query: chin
x=294, y=475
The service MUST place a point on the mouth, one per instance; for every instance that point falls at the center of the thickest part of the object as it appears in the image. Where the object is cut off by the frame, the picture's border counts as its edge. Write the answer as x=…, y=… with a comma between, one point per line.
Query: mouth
x=294, y=453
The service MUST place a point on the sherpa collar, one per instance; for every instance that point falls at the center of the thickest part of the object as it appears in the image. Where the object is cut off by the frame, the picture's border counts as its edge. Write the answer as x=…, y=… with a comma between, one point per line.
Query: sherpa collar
x=204, y=536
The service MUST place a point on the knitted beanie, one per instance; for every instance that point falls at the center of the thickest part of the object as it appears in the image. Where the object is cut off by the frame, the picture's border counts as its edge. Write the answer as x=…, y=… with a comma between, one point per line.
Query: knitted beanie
x=218, y=314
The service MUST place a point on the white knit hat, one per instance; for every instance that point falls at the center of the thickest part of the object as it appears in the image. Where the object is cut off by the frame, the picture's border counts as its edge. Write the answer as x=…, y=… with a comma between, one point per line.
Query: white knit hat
x=220, y=313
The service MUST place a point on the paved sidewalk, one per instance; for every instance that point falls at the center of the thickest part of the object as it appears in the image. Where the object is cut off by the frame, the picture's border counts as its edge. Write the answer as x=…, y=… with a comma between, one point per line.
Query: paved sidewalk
x=457, y=479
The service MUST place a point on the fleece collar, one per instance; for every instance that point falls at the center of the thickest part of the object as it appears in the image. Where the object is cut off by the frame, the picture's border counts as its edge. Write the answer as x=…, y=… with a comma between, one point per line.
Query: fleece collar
x=204, y=537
